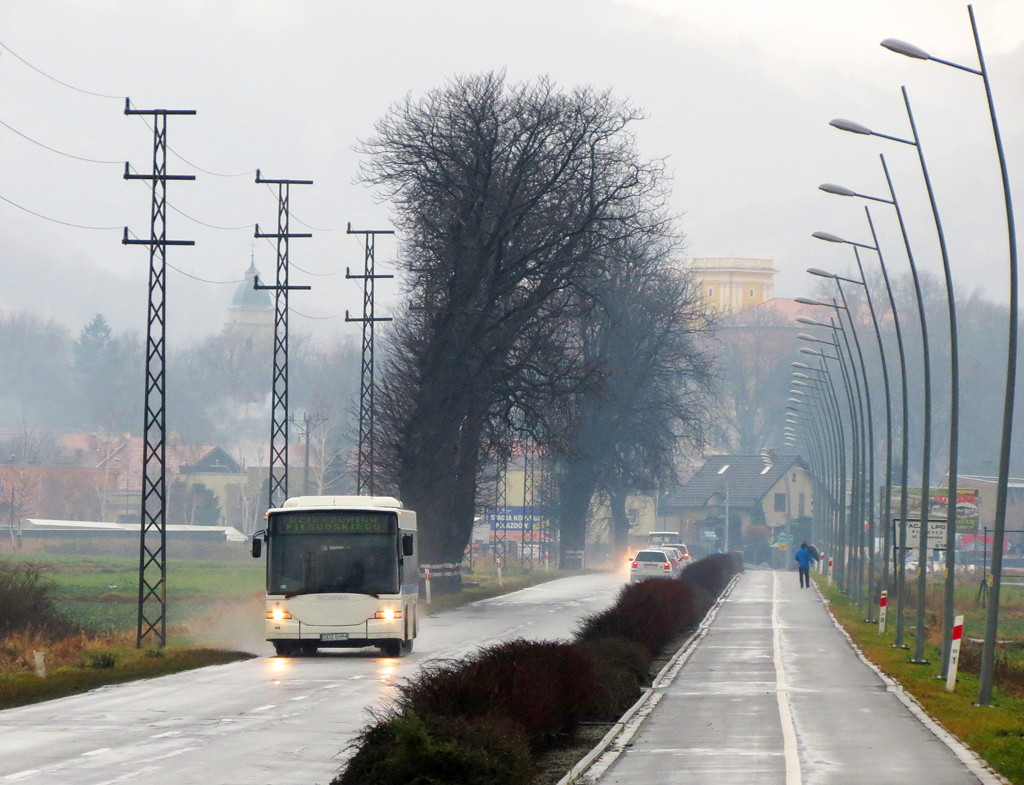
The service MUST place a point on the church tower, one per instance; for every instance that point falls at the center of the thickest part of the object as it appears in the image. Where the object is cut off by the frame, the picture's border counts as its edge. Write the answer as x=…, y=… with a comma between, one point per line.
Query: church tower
x=250, y=321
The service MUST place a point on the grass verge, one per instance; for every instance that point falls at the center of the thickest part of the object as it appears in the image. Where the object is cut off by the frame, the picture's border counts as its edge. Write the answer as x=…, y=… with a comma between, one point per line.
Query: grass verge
x=485, y=576
x=995, y=733
x=104, y=667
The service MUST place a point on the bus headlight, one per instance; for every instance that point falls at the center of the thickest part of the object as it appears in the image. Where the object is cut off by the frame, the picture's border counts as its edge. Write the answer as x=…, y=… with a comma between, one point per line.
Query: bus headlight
x=388, y=614
x=278, y=613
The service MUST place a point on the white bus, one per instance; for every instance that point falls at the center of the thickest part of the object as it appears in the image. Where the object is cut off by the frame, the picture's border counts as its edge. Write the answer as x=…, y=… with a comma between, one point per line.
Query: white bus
x=341, y=573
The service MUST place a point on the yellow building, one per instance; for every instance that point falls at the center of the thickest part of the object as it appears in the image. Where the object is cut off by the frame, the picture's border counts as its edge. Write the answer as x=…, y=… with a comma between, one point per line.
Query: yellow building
x=732, y=284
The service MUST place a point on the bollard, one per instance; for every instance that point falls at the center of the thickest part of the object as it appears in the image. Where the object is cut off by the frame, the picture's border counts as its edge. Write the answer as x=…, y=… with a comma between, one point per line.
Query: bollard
x=40, y=664
x=954, y=653
x=547, y=562
x=497, y=564
x=881, y=611
x=426, y=584
x=829, y=570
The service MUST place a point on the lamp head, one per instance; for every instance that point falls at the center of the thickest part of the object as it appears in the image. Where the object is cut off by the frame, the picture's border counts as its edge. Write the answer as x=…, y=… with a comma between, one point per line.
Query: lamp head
x=793, y=400
x=820, y=273
x=838, y=190
x=801, y=375
x=806, y=337
x=807, y=320
x=852, y=127
x=828, y=237
x=802, y=365
x=813, y=352
x=903, y=48
x=809, y=301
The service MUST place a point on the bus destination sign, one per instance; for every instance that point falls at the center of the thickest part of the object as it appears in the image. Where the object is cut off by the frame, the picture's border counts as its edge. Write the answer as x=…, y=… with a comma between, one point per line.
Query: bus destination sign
x=333, y=523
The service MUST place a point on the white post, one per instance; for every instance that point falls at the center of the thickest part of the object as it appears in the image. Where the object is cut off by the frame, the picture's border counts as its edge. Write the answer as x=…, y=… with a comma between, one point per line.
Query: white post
x=829, y=570
x=40, y=664
x=954, y=653
x=547, y=561
x=882, y=601
x=497, y=564
x=426, y=583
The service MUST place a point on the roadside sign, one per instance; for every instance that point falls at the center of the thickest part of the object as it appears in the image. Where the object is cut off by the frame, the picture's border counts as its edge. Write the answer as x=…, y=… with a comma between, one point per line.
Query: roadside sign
x=882, y=603
x=710, y=536
x=936, y=533
x=954, y=653
x=787, y=538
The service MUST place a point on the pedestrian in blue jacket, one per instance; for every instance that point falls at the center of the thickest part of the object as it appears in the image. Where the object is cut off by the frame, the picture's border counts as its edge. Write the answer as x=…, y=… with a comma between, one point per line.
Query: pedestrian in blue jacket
x=804, y=558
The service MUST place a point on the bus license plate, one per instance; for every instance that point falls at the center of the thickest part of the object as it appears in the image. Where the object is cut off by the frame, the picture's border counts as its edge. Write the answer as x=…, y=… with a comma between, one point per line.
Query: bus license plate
x=334, y=636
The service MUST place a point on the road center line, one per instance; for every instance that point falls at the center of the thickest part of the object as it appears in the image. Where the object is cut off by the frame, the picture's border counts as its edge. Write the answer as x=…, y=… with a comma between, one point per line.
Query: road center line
x=789, y=747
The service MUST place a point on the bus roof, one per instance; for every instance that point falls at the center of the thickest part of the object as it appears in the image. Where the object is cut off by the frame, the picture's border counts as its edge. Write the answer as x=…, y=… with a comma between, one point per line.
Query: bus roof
x=344, y=502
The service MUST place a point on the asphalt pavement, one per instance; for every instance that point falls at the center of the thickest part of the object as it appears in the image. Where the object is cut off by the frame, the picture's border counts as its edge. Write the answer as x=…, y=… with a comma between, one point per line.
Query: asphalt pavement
x=268, y=721
x=774, y=693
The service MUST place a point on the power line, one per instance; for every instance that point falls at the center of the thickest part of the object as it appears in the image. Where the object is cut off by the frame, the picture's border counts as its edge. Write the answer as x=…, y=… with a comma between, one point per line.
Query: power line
x=307, y=316
x=196, y=220
x=182, y=158
x=56, y=220
x=203, y=280
x=54, y=78
x=318, y=275
x=54, y=149
x=309, y=226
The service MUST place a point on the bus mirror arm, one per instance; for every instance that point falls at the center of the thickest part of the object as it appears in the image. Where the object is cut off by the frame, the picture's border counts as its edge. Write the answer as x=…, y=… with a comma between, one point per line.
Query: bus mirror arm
x=407, y=545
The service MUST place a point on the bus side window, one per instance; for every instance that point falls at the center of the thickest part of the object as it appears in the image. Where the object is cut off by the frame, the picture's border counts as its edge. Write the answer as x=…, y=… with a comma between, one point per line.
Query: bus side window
x=407, y=545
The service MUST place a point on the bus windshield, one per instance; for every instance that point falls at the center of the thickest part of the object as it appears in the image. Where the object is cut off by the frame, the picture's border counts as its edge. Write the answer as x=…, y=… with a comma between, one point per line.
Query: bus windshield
x=333, y=551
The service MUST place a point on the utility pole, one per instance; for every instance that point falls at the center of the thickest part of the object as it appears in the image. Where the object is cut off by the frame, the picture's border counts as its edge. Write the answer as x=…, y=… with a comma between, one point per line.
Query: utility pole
x=278, y=490
x=364, y=455
x=152, y=611
x=308, y=424
x=526, y=555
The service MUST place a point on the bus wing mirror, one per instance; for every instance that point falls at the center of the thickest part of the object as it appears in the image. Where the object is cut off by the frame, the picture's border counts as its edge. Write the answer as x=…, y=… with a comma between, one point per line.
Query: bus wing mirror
x=407, y=545
x=257, y=547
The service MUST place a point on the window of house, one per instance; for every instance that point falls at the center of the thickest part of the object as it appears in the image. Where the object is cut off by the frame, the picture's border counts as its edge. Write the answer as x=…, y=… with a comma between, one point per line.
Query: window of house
x=794, y=476
x=780, y=502
x=248, y=344
x=711, y=292
x=751, y=292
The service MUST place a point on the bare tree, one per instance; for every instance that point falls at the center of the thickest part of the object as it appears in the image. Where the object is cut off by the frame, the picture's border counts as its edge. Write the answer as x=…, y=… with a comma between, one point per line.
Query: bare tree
x=504, y=195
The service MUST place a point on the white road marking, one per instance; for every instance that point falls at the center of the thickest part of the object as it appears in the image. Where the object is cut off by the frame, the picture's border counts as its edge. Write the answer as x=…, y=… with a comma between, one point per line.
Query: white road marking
x=20, y=775
x=100, y=751
x=263, y=708
x=299, y=698
x=789, y=747
x=165, y=735
x=130, y=776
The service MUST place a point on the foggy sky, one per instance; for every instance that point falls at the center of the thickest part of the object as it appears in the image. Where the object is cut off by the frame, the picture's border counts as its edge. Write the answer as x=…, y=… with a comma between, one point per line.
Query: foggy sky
x=738, y=94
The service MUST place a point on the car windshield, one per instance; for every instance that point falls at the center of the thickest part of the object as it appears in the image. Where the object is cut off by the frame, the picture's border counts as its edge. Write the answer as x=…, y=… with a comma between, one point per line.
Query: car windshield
x=333, y=551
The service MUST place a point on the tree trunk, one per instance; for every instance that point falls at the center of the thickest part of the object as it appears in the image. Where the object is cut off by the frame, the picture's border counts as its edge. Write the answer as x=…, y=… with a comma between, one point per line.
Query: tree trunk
x=575, y=491
x=619, y=528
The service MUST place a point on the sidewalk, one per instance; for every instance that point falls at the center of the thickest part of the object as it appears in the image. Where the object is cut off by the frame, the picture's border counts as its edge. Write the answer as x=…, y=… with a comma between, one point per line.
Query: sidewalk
x=775, y=694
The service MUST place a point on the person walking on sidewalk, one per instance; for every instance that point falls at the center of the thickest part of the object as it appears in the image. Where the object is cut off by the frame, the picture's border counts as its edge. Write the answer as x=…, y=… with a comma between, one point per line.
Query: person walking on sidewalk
x=804, y=559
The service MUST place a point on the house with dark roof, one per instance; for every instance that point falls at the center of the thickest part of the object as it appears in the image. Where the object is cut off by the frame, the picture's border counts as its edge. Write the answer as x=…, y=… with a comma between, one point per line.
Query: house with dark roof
x=767, y=490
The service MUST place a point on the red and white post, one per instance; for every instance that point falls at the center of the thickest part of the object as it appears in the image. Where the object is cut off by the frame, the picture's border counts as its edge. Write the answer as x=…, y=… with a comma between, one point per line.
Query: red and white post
x=882, y=603
x=829, y=570
x=954, y=653
x=426, y=584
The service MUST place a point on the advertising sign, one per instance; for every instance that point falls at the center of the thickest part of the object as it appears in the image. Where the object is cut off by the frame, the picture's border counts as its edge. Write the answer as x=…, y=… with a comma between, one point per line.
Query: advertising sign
x=936, y=534
x=966, y=505
x=513, y=521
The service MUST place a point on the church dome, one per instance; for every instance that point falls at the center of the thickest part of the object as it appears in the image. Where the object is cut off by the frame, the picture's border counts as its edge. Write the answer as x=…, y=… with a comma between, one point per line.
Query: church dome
x=251, y=299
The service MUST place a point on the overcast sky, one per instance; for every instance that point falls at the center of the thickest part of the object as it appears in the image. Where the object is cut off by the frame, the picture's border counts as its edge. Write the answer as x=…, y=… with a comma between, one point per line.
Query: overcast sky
x=738, y=94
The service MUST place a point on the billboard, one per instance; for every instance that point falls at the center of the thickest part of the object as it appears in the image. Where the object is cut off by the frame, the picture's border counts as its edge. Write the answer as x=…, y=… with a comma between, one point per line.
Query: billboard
x=515, y=519
x=966, y=505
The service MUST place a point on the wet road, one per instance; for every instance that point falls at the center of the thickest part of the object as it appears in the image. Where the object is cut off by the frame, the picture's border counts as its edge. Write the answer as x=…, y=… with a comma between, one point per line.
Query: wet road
x=775, y=694
x=269, y=721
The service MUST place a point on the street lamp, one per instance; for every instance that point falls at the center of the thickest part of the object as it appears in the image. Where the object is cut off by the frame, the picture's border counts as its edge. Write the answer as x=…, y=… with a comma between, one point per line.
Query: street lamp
x=870, y=417
x=954, y=420
x=991, y=627
x=904, y=480
x=828, y=457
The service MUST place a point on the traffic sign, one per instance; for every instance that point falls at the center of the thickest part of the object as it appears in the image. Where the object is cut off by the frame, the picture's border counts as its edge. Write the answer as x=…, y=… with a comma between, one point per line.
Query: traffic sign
x=710, y=536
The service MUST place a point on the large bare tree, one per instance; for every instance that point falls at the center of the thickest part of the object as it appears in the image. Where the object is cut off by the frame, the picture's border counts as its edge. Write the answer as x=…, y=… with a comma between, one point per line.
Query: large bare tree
x=505, y=196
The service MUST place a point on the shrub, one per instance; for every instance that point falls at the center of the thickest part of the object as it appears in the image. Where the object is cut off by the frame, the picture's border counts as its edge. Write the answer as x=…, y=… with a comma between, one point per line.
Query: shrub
x=648, y=613
x=621, y=667
x=434, y=750
x=27, y=602
x=542, y=685
x=712, y=573
x=101, y=660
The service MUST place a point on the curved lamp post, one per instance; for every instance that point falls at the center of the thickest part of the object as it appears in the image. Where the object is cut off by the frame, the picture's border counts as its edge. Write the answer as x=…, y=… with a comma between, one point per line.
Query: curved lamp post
x=992, y=624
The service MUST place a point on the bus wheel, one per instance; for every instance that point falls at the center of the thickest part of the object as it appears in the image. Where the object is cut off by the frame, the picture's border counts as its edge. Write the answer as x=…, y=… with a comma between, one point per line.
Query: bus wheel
x=391, y=648
x=407, y=646
x=284, y=648
x=308, y=648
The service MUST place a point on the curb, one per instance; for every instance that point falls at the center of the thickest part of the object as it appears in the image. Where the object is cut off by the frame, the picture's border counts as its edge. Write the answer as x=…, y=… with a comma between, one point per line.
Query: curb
x=971, y=760
x=614, y=742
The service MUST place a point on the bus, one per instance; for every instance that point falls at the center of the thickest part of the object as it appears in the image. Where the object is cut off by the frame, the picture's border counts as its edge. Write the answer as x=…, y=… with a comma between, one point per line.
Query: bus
x=342, y=572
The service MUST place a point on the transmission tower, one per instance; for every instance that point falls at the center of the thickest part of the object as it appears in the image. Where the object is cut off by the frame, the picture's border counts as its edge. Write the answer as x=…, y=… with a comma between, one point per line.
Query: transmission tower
x=278, y=489
x=152, y=616
x=501, y=509
x=364, y=456
x=529, y=500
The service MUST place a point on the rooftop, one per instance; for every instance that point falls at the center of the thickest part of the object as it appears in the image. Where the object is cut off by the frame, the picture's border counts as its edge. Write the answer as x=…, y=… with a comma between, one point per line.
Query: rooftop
x=750, y=477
